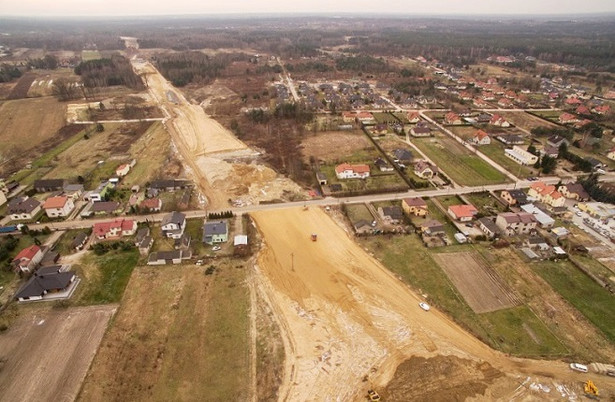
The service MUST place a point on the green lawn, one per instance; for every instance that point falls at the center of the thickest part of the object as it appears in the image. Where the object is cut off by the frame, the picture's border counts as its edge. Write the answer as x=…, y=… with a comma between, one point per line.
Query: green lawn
x=516, y=330
x=593, y=301
x=495, y=151
x=357, y=212
x=109, y=278
x=87, y=55
x=485, y=203
x=461, y=166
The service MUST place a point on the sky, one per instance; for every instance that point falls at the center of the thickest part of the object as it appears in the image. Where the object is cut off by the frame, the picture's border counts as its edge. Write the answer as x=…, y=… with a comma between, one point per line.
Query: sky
x=57, y=8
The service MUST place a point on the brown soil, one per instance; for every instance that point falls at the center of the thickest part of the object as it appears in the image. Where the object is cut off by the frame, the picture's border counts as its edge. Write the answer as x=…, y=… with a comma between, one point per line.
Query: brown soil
x=330, y=146
x=440, y=378
x=45, y=355
x=23, y=85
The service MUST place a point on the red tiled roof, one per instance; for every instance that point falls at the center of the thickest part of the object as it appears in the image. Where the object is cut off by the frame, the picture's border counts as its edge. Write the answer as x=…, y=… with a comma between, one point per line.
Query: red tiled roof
x=415, y=202
x=355, y=168
x=55, y=202
x=480, y=134
x=463, y=211
x=27, y=253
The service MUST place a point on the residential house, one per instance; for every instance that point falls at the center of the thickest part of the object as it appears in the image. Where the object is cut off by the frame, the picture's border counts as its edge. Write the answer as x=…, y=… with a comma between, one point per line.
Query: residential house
x=556, y=141
x=215, y=232
x=50, y=258
x=100, y=192
x=544, y=220
x=413, y=117
x=574, y=191
x=505, y=103
x=488, y=227
x=610, y=155
x=414, y=206
x=462, y=212
x=510, y=139
x=173, y=225
x=123, y=169
x=73, y=191
x=567, y=118
x=421, y=129
x=348, y=171
x=515, y=223
x=79, y=241
x=23, y=208
x=60, y=206
x=114, y=229
x=550, y=151
x=145, y=245
x=46, y=280
x=480, y=138
x=168, y=257
x=183, y=243
x=105, y=207
x=514, y=197
x=402, y=155
x=546, y=194
x=27, y=259
x=601, y=109
x=497, y=120
x=142, y=233
x=365, y=117
x=392, y=214
x=432, y=227
x=349, y=117
x=599, y=210
x=383, y=165
x=362, y=226
x=452, y=118
x=582, y=110
x=521, y=156
x=425, y=170
x=47, y=185
x=151, y=204
x=594, y=163
x=168, y=185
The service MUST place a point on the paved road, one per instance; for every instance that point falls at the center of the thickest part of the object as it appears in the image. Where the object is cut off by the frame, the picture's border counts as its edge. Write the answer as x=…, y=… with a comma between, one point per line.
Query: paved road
x=318, y=202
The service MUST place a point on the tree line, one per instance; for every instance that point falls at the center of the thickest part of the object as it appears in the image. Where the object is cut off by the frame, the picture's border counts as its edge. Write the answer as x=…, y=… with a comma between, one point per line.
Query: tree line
x=108, y=72
x=194, y=67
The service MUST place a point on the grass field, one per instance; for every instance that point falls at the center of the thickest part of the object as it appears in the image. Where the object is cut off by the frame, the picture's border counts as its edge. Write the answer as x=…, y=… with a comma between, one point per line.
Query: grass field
x=461, y=166
x=357, y=212
x=501, y=329
x=27, y=123
x=593, y=301
x=105, y=277
x=527, y=121
x=495, y=151
x=151, y=150
x=87, y=55
x=179, y=335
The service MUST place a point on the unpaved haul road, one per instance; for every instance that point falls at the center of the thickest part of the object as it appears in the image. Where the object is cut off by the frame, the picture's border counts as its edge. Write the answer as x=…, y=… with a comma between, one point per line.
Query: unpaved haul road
x=347, y=317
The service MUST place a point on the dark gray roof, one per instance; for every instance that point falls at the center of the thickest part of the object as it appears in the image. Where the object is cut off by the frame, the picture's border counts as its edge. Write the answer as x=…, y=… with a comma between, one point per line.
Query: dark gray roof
x=146, y=242
x=394, y=212
x=169, y=183
x=105, y=206
x=79, y=239
x=20, y=205
x=44, y=282
x=214, y=228
x=141, y=234
x=174, y=217
x=73, y=187
x=56, y=184
x=402, y=154
x=489, y=224
x=165, y=255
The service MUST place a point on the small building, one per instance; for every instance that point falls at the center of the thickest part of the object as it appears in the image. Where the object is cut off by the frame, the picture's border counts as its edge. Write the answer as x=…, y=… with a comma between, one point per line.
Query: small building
x=167, y=257
x=114, y=229
x=461, y=238
x=122, y=170
x=391, y=214
x=510, y=139
x=521, y=156
x=151, y=204
x=413, y=117
x=543, y=219
x=432, y=227
x=611, y=154
x=322, y=178
x=215, y=232
x=60, y=206
x=168, y=185
x=414, y=206
x=422, y=129
x=480, y=138
x=515, y=223
x=173, y=225
x=183, y=243
x=452, y=118
x=100, y=192
x=497, y=120
x=567, y=118
x=557, y=141
x=488, y=227
x=27, y=259
x=145, y=245
x=560, y=232
x=79, y=241
x=402, y=155
x=348, y=171
x=73, y=191
x=546, y=194
x=105, y=208
x=383, y=165
x=47, y=185
x=514, y=197
x=462, y=212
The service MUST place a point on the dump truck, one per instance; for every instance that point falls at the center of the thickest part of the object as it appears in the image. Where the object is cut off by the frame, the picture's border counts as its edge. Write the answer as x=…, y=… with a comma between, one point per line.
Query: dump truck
x=373, y=395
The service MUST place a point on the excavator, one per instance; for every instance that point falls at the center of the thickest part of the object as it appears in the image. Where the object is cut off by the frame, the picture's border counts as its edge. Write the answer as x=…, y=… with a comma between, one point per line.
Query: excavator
x=590, y=389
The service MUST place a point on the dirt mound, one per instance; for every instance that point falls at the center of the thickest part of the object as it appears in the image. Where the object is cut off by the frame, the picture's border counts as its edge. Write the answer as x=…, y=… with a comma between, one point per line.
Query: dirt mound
x=440, y=378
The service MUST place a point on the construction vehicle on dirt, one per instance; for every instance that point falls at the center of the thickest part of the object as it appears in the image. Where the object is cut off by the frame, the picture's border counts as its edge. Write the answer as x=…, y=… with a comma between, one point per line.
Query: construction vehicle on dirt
x=591, y=391
x=314, y=237
x=373, y=395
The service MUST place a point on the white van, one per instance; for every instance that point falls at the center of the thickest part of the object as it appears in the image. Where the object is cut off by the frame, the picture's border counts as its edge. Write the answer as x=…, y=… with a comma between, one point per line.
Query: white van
x=578, y=367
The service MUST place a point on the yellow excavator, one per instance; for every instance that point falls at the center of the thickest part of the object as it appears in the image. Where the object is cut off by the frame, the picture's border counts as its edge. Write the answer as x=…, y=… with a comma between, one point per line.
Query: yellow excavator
x=590, y=389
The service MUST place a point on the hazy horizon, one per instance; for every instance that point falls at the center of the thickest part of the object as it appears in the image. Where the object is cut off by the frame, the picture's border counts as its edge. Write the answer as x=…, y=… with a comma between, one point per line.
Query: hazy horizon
x=122, y=8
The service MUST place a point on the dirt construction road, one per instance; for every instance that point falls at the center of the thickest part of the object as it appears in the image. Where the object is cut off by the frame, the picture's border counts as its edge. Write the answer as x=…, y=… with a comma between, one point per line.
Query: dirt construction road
x=211, y=154
x=347, y=322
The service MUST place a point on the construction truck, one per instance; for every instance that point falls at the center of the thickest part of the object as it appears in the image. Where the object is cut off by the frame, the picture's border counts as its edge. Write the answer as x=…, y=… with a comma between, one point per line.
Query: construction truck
x=590, y=389
x=373, y=395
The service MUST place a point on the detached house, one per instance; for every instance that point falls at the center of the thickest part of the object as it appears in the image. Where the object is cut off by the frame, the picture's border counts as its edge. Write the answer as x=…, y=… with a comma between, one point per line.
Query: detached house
x=151, y=204
x=47, y=280
x=23, y=208
x=173, y=225
x=514, y=197
x=497, y=120
x=567, y=118
x=452, y=118
x=556, y=141
x=414, y=206
x=27, y=259
x=420, y=130
x=347, y=171
x=58, y=206
x=425, y=170
x=546, y=194
x=481, y=138
x=521, y=156
x=574, y=191
x=462, y=212
x=611, y=154
x=215, y=232
x=413, y=117
x=114, y=229
x=47, y=185
x=512, y=223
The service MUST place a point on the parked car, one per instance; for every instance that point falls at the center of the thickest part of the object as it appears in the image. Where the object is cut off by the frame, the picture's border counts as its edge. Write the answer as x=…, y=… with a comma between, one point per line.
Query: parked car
x=424, y=306
x=578, y=367
x=216, y=248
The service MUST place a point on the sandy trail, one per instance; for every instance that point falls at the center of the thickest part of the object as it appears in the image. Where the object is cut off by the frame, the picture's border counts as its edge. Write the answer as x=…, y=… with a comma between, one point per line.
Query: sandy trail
x=211, y=153
x=348, y=317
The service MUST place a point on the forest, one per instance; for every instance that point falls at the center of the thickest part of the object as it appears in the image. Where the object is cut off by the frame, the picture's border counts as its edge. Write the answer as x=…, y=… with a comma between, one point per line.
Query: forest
x=108, y=72
x=194, y=67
